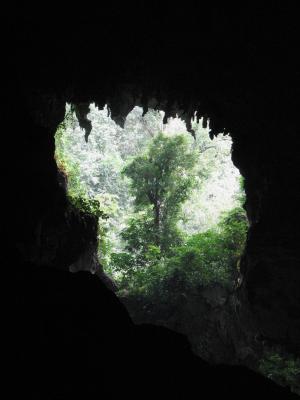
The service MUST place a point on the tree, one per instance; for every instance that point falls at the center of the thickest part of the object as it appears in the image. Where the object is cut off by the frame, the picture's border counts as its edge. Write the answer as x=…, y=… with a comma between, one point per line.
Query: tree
x=161, y=180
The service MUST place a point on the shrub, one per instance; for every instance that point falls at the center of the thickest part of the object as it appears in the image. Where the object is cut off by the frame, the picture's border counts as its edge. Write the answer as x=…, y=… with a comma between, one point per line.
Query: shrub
x=205, y=259
x=282, y=368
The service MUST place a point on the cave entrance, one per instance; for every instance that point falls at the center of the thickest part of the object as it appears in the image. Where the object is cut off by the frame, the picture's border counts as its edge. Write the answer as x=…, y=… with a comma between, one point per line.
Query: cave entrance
x=169, y=206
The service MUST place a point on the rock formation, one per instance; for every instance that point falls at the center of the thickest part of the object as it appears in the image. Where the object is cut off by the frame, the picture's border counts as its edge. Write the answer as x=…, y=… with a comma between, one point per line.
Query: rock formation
x=238, y=68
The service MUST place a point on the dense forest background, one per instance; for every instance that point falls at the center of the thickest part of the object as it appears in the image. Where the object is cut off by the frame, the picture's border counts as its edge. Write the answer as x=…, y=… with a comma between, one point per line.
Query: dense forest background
x=94, y=167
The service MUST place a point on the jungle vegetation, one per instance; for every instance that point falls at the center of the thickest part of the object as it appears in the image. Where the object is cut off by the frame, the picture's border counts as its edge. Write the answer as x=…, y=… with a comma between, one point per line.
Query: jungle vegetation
x=168, y=203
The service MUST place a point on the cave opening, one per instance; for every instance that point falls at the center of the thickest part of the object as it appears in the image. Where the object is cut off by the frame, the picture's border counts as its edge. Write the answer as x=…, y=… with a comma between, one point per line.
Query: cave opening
x=169, y=205
x=237, y=65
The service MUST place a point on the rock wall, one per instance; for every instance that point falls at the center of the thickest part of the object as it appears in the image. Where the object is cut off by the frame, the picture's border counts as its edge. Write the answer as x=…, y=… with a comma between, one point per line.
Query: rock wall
x=236, y=67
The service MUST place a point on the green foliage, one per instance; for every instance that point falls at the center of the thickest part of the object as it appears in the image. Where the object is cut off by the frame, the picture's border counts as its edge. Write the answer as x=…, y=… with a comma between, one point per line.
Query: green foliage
x=162, y=172
x=86, y=204
x=217, y=183
x=109, y=207
x=76, y=192
x=139, y=235
x=152, y=255
x=161, y=180
x=97, y=166
x=282, y=368
x=211, y=257
x=206, y=259
x=148, y=251
x=234, y=225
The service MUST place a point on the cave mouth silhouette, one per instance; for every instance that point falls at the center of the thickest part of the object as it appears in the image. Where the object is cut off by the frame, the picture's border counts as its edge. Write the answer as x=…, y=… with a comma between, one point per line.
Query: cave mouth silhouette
x=93, y=175
x=244, y=59
x=93, y=168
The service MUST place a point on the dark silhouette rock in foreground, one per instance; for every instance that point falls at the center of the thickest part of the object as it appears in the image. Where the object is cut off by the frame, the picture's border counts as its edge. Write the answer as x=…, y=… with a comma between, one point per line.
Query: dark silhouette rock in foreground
x=236, y=66
x=75, y=340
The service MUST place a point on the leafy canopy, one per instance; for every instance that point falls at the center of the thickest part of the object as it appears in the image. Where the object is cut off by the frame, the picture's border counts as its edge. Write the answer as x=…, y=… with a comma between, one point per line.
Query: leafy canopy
x=204, y=259
x=160, y=181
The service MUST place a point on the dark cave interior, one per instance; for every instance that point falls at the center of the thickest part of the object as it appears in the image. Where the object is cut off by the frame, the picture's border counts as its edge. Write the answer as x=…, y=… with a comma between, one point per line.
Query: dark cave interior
x=240, y=70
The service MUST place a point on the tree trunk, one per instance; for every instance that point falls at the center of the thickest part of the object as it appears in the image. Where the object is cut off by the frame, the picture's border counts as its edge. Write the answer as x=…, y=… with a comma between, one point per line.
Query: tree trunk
x=157, y=221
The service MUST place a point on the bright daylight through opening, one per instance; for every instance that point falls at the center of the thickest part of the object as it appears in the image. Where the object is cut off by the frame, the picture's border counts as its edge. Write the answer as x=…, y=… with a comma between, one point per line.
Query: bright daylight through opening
x=168, y=202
